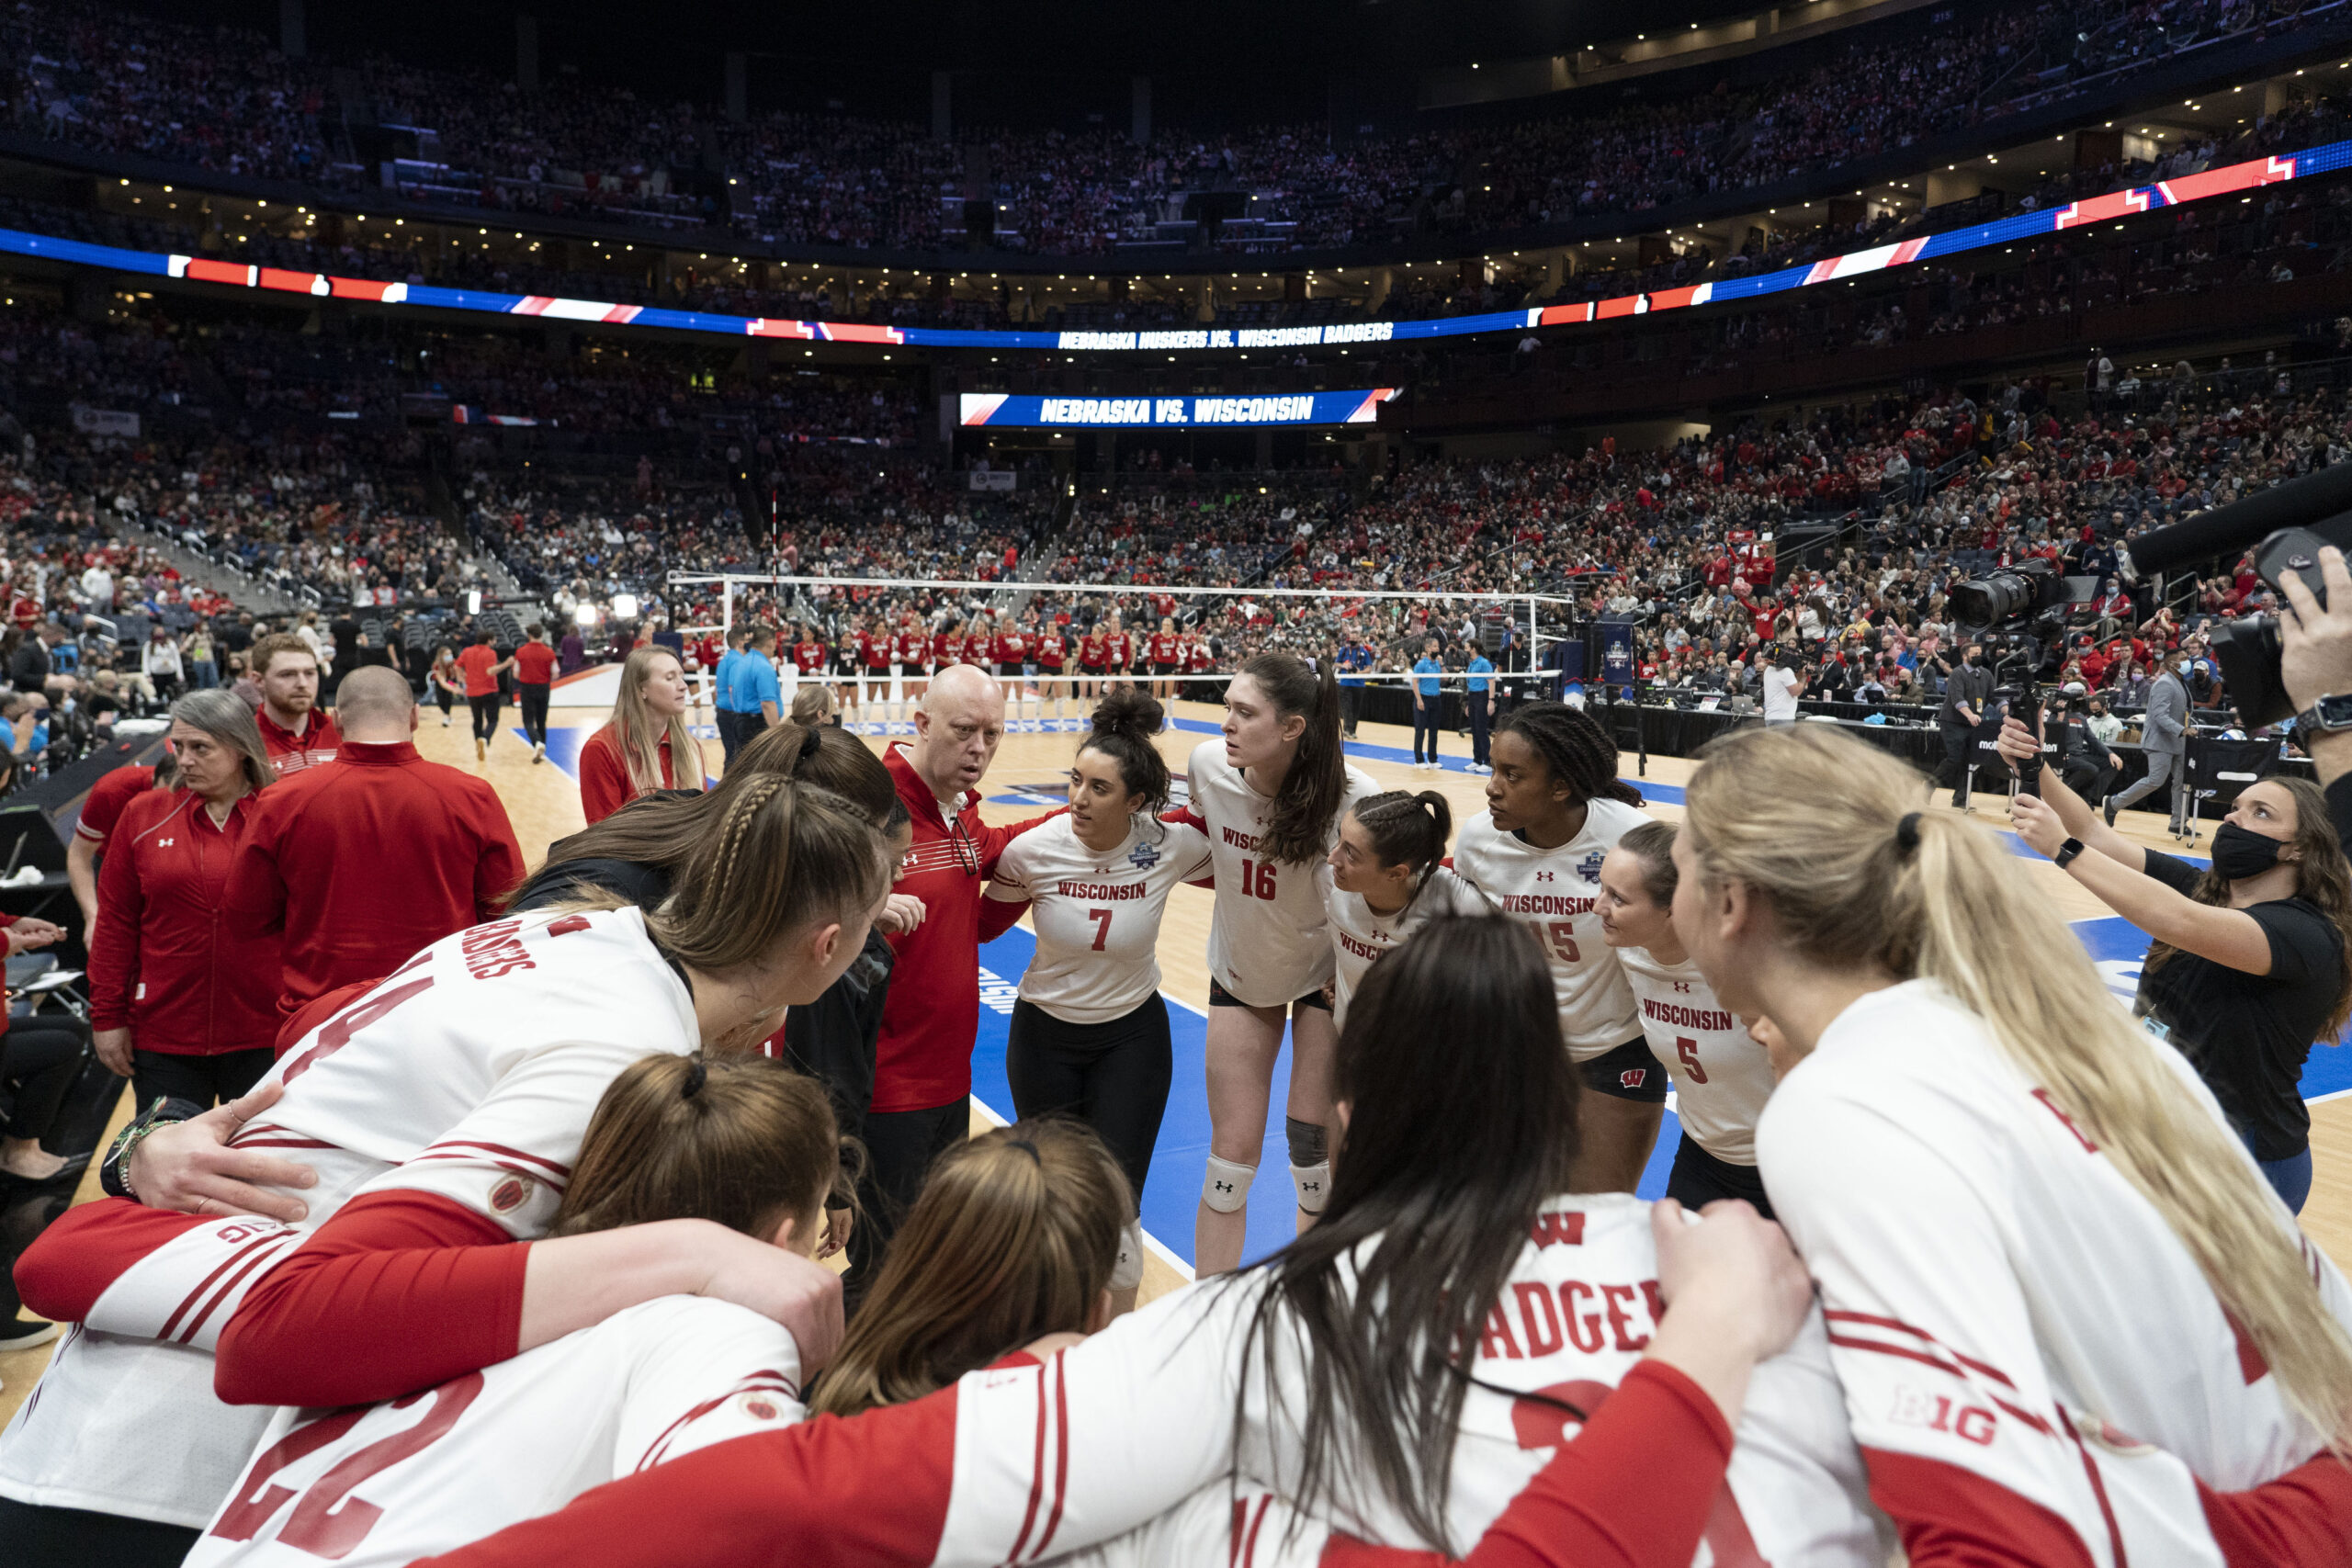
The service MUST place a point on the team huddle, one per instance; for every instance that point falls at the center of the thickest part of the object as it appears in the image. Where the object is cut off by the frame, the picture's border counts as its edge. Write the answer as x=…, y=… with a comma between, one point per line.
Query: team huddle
x=547, y=1291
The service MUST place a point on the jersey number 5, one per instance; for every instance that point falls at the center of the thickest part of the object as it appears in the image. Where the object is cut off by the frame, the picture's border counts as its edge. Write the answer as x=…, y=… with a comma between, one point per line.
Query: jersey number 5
x=1564, y=940
x=1257, y=879
x=1688, y=1050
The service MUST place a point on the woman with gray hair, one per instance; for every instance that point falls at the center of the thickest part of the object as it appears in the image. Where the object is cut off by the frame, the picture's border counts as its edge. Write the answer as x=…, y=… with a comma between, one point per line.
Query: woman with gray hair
x=184, y=999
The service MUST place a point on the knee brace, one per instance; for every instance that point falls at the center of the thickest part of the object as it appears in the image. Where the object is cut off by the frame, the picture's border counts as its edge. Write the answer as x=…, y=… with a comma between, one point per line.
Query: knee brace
x=1129, y=1274
x=1310, y=1163
x=1227, y=1185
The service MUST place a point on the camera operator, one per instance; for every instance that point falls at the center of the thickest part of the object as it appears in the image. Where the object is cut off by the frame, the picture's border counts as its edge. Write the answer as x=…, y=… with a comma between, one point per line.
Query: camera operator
x=2163, y=739
x=2089, y=766
x=2249, y=964
x=1968, y=687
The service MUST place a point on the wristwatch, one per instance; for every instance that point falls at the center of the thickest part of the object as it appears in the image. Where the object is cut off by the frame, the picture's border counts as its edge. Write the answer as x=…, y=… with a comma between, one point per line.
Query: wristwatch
x=114, y=1170
x=2329, y=715
x=2066, y=853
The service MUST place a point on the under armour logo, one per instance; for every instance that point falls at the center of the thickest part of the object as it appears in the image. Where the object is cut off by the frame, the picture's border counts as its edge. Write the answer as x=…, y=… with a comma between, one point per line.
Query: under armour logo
x=1632, y=1077
x=1225, y=1186
x=165, y=843
x=1542, y=876
x=1310, y=1187
x=1682, y=985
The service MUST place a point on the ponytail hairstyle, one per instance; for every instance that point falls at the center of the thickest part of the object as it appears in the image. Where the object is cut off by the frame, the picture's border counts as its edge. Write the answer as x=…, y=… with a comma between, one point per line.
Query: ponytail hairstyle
x=639, y=731
x=1407, y=830
x=1435, y=1189
x=1578, y=752
x=1813, y=822
x=781, y=857
x=1299, y=830
x=2322, y=877
x=660, y=829
x=1016, y=1237
x=1652, y=843
x=1124, y=723
x=741, y=1140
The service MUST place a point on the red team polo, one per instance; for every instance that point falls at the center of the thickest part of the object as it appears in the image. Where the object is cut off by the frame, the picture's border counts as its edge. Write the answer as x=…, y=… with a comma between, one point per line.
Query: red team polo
x=477, y=661
x=291, y=751
x=603, y=775
x=923, y=1056
x=365, y=864
x=168, y=963
x=534, y=665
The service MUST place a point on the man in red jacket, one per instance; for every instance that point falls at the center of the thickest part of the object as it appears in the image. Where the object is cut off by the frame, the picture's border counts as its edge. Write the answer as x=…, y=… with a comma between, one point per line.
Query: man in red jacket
x=923, y=1077
x=374, y=858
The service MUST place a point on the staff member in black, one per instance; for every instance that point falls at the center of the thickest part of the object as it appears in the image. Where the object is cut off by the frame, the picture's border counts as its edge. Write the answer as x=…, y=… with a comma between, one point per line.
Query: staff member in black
x=1968, y=686
x=2249, y=964
x=2086, y=761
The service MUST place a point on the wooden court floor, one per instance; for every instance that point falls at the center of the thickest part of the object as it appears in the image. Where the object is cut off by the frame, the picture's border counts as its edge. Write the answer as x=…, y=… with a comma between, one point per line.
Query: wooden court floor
x=543, y=802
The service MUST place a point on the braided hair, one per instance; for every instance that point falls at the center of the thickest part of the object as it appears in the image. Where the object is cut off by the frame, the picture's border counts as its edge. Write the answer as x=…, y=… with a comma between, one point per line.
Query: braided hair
x=1578, y=752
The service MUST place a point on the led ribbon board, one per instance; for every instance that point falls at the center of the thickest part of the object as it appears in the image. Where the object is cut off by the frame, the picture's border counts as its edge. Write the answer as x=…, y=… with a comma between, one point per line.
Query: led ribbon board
x=2203, y=186
x=1001, y=411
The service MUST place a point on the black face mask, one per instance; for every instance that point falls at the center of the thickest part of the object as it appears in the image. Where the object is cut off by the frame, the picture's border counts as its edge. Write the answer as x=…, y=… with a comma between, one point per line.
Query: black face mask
x=2241, y=851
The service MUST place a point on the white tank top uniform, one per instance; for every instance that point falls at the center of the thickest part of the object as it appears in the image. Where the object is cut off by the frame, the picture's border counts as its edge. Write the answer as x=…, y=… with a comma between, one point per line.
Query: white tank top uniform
x=1722, y=1076
x=1359, y=935
x=1267, y=945
x=1557, y=892
x=371, y=1487
x=1097, y=916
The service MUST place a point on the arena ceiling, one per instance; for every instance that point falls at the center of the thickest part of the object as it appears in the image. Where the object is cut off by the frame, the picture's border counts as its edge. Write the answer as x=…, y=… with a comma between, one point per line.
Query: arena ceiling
x=1211, y=61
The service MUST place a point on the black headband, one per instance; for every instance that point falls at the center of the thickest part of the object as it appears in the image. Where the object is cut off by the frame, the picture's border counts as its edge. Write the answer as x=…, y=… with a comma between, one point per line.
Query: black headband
x=696, y=1076
x=810, y=742
x=1907, y=834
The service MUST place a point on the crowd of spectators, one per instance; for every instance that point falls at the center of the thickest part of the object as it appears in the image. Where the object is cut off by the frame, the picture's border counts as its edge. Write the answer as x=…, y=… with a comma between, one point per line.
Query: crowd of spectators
x=103, y=79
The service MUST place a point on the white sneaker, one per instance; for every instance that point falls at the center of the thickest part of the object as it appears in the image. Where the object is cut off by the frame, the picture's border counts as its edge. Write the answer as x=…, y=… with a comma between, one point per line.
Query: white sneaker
x=540, y=751
x=445, y=721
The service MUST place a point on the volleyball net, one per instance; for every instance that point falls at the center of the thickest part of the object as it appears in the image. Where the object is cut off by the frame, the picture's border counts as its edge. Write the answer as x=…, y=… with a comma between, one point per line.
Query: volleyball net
x=1377, y=634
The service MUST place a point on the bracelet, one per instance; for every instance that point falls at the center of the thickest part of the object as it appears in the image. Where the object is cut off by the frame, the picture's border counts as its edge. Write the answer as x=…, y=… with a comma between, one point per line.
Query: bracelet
x=113, y=1171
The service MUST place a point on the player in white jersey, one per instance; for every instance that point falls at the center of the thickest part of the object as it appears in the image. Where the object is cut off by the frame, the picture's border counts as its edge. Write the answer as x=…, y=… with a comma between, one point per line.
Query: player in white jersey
x=1554, y=807
x=1089, y=1031
x=1268, y=795
x=445, y=1106
x=1451, y=1173
x=2073, y=1323
x=1722, y=1074
x=742, y=1141
x=1383, y=882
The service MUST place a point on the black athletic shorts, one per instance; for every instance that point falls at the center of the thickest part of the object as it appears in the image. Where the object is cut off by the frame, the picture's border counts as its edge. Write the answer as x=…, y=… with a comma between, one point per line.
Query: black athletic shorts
x=1629, y=1072
x=1221, y=997
x=1158, y=668
x=1700, y=1178
x=1094, y=672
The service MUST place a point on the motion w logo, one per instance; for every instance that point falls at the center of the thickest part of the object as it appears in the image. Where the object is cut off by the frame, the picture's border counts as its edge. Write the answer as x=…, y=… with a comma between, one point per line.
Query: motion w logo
x=1565, y=1230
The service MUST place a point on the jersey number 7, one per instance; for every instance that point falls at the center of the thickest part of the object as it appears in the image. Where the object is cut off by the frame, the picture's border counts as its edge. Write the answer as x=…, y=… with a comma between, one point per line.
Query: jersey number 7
x=1102, y=919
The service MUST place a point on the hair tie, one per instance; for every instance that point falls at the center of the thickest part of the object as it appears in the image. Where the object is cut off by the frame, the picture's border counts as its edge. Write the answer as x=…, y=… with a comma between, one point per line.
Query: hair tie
x=809, y=742
x=696, y=1076
x=1027, y=1147
x=1907, y=834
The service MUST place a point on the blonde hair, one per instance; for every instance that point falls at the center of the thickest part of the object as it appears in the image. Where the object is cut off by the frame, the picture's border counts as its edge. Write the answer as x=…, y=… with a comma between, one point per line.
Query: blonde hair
x=812, y=705
x=780, y=857
x=1016, y=1237
x=639, y=731
x=1810, y=820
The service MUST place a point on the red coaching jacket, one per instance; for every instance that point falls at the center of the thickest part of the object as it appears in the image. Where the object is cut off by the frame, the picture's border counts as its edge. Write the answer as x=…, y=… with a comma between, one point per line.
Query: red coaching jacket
x=365, y=862
x=169, y=962
x=923, y=1055
x=292, y=752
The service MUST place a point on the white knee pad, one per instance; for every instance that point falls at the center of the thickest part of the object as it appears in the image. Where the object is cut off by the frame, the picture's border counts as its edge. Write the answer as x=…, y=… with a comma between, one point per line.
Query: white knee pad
x=1129, y=1273
x=1225, y=1187
x=1314, y=1184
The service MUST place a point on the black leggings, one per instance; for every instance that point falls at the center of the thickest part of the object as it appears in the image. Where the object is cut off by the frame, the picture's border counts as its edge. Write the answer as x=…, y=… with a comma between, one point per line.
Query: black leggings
x=485, y=716
x=533, y=697
x=38, y=1058
x=32, y=1536
x=1425, y=721
x=1114, y=1077
x=207, y=1081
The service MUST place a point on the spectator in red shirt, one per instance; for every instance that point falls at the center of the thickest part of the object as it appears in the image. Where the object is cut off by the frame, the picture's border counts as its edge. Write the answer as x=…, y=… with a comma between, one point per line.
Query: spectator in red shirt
x=634, y=754
x=533, y=684
x=923, y=1079
x=482, y=668
x=293, y=730
x=172, y=976
x=374, y=858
